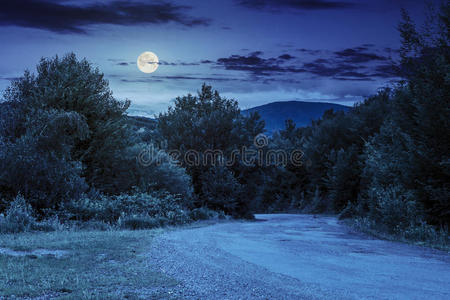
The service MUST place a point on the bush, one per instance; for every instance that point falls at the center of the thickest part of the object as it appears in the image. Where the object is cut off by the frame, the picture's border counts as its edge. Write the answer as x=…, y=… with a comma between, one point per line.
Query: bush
x=348, y=212
x=137, y=222
x=156, y=170
x=222, y=192
x=394, y=208
x=159, y=205
x=38, y=165
x=203, y=213
x=318, y=204
x=19, y=217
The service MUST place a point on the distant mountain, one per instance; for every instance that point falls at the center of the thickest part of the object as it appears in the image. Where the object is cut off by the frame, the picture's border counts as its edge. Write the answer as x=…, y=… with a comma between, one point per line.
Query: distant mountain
x=302, y=113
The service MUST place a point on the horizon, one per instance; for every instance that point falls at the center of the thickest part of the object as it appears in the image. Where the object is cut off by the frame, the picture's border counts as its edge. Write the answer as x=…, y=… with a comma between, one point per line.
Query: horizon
x=254, y=51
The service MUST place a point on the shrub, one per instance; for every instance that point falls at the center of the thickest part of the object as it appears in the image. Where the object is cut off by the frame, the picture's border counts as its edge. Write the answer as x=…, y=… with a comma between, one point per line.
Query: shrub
x=221, y=191
x=19, y=217
x=318, y=204
x=347, y=212
x=136, y=222
x=159, y=205
x=156, y=170
x=50, y=224
x=203, y=213
x=32, y=166
x=394, y=208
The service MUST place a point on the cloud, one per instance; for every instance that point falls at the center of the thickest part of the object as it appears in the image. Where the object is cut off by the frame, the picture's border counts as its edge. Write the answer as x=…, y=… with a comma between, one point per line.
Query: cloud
x=286, y=57
x=166, y=63
x=296, y=4
x=255, y=64
x=387, y=71
x=68, y=18
x=348, y=64
x=157, y=78
x=321, y=69
x=309, y=51
x=358, y=55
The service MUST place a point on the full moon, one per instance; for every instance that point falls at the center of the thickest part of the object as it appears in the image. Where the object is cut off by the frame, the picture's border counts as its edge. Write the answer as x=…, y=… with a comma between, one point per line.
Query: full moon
x=148, y=62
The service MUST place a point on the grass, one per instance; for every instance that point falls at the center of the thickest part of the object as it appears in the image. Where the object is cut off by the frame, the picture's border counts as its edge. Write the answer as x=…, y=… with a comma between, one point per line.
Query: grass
x=420, y=236
x=98, y=265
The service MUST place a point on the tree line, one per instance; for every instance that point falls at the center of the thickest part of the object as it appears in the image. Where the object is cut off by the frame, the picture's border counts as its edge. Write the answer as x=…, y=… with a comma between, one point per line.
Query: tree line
x=68, y=148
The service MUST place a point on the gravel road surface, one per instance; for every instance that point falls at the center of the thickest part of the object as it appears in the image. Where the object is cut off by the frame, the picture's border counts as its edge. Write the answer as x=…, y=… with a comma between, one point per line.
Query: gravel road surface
x=296, y=257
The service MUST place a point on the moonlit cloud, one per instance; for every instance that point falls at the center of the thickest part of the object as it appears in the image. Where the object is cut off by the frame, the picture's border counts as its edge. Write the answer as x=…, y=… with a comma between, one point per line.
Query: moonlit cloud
x=68, y=18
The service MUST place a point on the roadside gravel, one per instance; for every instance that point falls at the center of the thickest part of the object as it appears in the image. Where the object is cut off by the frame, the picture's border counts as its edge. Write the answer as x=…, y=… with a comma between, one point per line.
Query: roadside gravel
x=205, y=271
x=295, y=257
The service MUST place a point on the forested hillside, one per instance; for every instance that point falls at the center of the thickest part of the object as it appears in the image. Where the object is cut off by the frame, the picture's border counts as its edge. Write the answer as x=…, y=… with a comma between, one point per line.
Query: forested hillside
x=68, y=150
x=300, y=112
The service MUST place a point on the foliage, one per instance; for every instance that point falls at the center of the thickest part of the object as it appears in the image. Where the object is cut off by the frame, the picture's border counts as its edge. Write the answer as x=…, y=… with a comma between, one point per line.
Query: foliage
x=221, y=191
x=38, y=166
x=19, y=217
x=209, y=122
x=154, y=169
x=386, y=161
x=138, y=222
x=78, y=102
x=161, y=206
x=63, y=133
x=204, y=213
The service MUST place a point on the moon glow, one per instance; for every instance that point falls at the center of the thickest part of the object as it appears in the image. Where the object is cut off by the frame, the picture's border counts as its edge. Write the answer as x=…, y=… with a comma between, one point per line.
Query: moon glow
x=148, y=62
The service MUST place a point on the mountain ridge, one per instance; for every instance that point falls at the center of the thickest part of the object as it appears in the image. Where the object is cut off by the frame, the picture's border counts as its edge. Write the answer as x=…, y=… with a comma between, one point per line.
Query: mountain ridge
x=301, y=112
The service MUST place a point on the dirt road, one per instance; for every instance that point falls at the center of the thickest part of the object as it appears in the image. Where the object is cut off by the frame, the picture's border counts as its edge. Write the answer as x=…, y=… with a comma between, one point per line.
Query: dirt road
x=297, y=257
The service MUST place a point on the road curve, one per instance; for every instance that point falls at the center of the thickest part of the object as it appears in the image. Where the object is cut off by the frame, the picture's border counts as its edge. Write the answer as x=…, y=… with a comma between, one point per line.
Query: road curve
x=296, y=257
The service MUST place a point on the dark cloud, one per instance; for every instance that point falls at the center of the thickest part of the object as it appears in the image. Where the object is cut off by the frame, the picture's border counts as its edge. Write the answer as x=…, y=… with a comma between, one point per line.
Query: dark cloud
x=68, y=18
x=322, y=61
x=257, y=53
x=347, y=64
x=122, y=64
x=286, y=57
x=358, y=55
x=188, y=64
x=296, y=4
x=255, y=64
x=387, y=71
x=309, y=51
x=352, y=79
x=180, y=77
x=321, y=69
x=353, y=74
x=166, y=63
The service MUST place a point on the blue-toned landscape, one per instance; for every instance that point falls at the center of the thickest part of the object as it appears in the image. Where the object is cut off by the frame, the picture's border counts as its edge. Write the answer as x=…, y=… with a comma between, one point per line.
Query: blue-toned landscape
x=238, y=149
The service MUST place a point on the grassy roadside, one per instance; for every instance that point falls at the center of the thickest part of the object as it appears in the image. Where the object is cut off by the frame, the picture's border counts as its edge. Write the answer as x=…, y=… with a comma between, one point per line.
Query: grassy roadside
x=95, y=265
x=436, y=240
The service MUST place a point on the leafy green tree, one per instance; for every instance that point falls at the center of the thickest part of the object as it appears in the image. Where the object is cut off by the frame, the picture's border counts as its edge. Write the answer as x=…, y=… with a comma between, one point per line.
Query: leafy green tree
x=74, y=86
x=38, y=163
x=207, y=122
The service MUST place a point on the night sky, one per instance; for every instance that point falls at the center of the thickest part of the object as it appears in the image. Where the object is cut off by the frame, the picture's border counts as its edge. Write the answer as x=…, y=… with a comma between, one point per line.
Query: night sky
x=256, y=51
